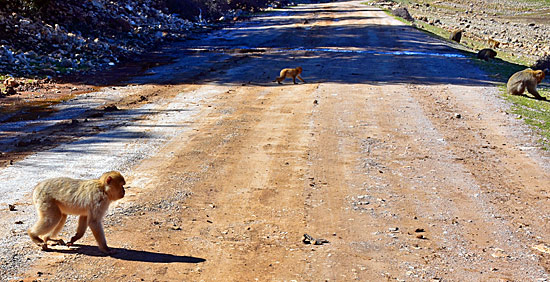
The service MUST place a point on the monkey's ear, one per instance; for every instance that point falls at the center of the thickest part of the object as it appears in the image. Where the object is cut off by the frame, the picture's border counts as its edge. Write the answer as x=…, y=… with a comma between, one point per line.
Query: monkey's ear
x=108, y=180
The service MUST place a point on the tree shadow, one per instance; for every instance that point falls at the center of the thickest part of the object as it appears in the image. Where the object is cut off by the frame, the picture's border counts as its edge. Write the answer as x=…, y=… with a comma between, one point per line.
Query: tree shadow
x=248, y=54
x=129, y=255
x=349, y=49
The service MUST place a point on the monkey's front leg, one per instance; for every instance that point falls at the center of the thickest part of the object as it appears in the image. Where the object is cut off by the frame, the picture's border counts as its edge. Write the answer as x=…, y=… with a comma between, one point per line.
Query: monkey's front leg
x=80, y=229
x=97, y=229
x=533, y=90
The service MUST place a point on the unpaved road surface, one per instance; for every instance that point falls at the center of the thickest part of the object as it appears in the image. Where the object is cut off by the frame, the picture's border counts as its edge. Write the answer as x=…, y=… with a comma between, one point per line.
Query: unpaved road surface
x=397, y=150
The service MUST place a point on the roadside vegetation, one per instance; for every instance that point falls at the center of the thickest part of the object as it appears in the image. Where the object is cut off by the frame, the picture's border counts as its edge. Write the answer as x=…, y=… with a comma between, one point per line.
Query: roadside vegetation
x=535, y=113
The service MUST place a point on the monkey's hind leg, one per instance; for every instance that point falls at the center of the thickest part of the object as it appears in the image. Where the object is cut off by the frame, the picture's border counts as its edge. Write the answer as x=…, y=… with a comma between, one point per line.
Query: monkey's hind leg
x=517, y=89
x=56, y=231
x=47, y=221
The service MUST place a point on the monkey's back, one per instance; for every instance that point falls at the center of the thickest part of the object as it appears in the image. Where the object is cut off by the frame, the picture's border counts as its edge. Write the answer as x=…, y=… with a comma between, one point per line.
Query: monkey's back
x=75, y=192
x=285, y=73
x=515, y=83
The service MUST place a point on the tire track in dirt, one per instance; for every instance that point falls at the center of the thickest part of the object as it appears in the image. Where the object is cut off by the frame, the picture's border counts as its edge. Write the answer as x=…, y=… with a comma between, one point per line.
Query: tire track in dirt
x=511, y=179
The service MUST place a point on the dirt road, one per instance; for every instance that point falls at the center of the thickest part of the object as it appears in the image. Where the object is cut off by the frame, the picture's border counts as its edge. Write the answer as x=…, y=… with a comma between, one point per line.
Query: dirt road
x=397, y=150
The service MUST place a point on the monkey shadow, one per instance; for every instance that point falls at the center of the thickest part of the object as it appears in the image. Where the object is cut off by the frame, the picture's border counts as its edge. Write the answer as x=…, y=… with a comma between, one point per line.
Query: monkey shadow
x=129, y=255
x=534, y=98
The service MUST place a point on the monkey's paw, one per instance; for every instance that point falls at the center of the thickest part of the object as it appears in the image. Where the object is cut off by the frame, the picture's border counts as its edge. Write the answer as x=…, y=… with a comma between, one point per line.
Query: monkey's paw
x=108, y=251
x=58, y=242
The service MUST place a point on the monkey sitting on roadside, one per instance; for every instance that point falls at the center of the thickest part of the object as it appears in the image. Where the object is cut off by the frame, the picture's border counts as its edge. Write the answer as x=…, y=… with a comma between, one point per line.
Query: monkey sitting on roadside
x=493, y=43
x=526, y=78
x=294, y=73
x=486, y=54
x=55, y=198
x=456, y=35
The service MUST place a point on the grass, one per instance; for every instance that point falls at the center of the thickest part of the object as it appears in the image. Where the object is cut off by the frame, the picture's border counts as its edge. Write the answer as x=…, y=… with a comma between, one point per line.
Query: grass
x=535, y=113
x=543, y=2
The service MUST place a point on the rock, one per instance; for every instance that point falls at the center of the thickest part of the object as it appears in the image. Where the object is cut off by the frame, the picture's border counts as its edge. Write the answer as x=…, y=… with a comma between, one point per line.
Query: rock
x=48, y=72
x=499, y=253
x=121, y=25
x=421, y=236
x=403, y=13
x=110, y=108
x=66, y=63
x=10, y=91
x=393, y=229
x=10, y=82
x=545, y=248
x=308, y=239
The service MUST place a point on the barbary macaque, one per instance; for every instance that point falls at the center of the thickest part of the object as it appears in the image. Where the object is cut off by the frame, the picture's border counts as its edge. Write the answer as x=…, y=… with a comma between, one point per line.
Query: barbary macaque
x=456, y=35
x=493, y=43
x=526, y=78
x=486, y=54
x=56, y=198
x=288, y=72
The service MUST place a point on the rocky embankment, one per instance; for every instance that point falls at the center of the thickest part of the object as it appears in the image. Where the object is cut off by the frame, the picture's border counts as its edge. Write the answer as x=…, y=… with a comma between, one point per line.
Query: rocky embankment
x=521, y=27
x=64, y=37
x=101, y=33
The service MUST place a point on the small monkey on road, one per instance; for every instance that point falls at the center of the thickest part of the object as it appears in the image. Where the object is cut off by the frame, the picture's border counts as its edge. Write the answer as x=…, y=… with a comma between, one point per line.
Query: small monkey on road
x=288, y=72
x=55, y=198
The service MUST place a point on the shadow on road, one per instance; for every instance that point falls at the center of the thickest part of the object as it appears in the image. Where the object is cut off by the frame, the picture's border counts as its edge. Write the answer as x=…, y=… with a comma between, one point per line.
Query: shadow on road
x=130, y=255
x=333, y=46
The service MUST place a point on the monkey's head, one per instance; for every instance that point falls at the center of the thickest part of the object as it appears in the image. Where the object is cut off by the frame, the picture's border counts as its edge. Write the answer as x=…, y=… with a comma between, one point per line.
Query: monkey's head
x=299, y=69
x=114, y=185
x=539, y=75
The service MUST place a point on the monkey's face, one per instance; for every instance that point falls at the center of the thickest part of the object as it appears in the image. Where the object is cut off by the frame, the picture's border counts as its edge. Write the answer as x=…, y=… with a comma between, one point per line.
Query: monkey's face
x=115, y=187
x=539, y=75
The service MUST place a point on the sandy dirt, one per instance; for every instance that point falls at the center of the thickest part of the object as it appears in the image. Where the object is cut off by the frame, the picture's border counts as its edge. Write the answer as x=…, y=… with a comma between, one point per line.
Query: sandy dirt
x=398, y=151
